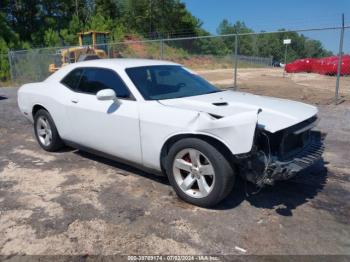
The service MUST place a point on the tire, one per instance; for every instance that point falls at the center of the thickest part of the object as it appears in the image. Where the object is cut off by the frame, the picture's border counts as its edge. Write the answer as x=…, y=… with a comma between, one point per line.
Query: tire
x=206, y=190
x=46, y=132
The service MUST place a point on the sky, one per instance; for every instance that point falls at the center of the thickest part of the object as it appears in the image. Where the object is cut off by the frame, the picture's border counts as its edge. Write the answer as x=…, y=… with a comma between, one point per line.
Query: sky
x=270, y=15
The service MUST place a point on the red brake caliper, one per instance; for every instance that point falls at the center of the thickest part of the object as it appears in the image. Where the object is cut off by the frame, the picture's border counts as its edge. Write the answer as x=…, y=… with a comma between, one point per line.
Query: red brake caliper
x=187, y=158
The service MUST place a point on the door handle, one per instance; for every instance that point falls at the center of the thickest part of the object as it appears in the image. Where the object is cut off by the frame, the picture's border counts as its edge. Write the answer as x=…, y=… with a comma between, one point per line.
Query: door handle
x=75, y=101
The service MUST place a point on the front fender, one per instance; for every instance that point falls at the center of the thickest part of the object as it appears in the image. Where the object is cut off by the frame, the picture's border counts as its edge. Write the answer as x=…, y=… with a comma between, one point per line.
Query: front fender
x=236, y=131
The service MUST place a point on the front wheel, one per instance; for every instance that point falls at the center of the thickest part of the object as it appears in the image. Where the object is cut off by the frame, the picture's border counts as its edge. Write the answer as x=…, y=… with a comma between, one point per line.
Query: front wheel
x=46, y=132
x=198, y=172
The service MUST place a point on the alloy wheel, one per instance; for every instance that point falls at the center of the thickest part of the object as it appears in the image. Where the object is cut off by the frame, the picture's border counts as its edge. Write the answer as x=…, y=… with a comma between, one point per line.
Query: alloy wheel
x=193, y=173
x=43, y=130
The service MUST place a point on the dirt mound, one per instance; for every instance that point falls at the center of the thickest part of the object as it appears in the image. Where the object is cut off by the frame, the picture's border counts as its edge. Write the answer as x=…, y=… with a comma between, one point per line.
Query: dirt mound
x=135, y=45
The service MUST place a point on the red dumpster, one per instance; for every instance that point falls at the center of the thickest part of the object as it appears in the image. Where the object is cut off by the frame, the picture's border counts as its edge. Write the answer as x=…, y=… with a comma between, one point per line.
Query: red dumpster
x=300, y=65
x=329, y=65
x=323, y=66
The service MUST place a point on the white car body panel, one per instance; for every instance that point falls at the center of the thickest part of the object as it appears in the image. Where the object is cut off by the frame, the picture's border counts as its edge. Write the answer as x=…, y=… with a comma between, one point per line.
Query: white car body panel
x=136, y=130
x=106, y=126
x=276, y=113
x=159, y=123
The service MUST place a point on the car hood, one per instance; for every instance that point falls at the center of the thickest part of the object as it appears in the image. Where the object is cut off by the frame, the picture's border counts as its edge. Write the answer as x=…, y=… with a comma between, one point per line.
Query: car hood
x=276, y=113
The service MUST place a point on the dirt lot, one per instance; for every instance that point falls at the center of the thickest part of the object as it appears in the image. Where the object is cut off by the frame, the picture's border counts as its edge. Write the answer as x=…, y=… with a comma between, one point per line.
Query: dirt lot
x=72, y=202
x=312, y=88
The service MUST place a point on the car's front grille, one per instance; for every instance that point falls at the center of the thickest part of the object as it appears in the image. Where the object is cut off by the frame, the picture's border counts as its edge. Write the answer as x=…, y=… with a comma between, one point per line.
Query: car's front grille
x=285, y=144
x=293, y=143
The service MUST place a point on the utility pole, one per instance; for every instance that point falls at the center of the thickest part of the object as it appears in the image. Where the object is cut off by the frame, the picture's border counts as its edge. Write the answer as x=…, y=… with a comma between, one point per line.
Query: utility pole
x=340, y=55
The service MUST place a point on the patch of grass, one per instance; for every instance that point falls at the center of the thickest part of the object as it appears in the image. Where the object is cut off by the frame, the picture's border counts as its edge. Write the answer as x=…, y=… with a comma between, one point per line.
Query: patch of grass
x=8, y=84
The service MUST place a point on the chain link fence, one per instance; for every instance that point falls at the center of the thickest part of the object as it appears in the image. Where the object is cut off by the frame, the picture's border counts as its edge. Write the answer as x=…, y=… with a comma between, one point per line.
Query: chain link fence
x=252, y=62
x=33, y=65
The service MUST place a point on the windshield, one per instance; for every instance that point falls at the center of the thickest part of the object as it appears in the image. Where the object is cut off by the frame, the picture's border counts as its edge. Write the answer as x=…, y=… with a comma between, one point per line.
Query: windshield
x=168, y=81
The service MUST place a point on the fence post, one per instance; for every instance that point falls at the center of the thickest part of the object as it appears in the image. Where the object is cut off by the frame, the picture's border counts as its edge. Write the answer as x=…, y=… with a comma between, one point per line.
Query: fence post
x=340, y=54
x=10, y=64
x=236, y=62
x=108, y=50
x=161, y=48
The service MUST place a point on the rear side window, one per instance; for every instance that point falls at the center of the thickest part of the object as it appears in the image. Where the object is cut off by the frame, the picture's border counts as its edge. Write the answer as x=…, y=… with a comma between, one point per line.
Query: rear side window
x=96, y=79
x=72, y=79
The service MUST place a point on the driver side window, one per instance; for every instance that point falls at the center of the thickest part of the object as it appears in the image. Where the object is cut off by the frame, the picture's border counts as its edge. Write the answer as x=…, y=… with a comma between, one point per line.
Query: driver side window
x=91, y=80
x=96, y=79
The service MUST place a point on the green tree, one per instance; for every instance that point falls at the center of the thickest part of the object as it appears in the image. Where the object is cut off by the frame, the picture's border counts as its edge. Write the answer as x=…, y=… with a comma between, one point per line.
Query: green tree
x=314, y=48
x=51, y=38
x=69, y=35
x=271, y=44
x=109, y=8
x=99, y=22
x=4, y=63
x=246, y=42
x=155, y=18
x=8, y=39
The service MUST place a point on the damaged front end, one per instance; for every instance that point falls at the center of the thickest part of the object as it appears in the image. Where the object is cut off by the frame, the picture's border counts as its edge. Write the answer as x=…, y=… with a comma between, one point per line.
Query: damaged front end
x=281, y=155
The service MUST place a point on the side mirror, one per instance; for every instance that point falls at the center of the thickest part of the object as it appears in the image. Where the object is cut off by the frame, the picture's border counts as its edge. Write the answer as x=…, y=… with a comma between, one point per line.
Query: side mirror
x=106, y=94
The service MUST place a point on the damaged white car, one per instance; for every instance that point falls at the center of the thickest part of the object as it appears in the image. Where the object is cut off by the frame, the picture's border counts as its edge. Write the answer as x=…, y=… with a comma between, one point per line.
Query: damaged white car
x=162, y=117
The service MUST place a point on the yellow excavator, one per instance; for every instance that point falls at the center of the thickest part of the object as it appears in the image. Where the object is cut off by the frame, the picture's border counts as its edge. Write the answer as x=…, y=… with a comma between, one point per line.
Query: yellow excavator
x=92, y=45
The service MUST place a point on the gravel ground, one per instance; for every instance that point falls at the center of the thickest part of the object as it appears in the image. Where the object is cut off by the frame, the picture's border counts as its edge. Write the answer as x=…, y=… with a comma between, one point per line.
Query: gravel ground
x=72, y=202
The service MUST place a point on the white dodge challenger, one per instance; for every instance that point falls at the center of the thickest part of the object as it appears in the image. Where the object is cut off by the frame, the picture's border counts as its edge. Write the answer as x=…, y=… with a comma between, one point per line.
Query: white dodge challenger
x=164, y=118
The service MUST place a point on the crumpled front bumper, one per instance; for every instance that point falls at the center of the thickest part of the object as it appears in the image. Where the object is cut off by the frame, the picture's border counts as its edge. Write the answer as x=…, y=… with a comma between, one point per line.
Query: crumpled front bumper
x=311, y=153
x=261, y=172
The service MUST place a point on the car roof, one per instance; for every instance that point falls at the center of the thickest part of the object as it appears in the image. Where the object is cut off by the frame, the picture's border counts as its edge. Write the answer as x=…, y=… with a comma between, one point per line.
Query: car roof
x=122, y=63
x=112, y=63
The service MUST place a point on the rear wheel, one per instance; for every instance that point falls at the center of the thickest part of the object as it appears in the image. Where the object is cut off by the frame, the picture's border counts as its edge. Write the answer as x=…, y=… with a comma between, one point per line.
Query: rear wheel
x=198, y=172
x=46, y=132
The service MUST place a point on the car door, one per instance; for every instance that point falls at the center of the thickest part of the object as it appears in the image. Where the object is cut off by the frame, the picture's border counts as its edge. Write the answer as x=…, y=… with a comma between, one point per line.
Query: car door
x=107, y=126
